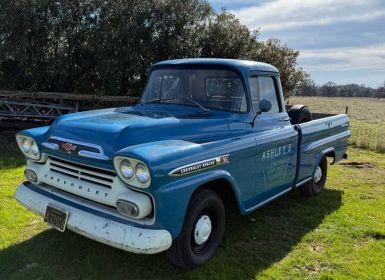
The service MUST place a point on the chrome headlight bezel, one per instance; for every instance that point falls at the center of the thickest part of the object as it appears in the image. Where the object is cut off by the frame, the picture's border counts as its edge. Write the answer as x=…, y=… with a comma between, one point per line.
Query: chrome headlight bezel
x=134, y=180
x=28, y=146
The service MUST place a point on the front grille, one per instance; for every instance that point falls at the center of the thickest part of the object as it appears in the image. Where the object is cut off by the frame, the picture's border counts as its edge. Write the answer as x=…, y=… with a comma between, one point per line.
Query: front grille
x=100, y=177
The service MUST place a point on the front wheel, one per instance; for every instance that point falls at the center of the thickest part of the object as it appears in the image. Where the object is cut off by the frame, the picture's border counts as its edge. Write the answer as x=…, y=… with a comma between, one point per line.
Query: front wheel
x=202, y=231
x=315, y=186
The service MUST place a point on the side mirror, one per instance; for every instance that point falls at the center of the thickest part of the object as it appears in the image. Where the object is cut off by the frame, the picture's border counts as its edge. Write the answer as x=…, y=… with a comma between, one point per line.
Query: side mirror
x=264, y=105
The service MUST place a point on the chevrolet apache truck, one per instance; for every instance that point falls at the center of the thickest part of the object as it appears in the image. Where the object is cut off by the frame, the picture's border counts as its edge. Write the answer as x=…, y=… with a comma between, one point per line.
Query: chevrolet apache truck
x=159, y=175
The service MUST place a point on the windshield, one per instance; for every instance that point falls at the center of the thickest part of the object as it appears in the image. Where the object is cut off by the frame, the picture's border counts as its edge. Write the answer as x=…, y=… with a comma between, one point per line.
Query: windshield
x=207, y=88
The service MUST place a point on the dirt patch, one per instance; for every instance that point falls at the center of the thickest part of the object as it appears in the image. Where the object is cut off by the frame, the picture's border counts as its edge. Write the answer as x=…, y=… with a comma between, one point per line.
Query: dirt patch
x=357, y=164
x=315, y=248
x=376, y=235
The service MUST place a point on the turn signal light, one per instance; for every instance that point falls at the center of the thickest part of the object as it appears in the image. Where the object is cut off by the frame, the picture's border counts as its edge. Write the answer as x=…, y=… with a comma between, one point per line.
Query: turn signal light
x=127, y=208
x=30, y=175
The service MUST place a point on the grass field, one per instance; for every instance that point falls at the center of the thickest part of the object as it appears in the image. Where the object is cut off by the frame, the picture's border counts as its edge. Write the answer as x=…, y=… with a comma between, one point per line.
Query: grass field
x=338, y=235
x=367, y=117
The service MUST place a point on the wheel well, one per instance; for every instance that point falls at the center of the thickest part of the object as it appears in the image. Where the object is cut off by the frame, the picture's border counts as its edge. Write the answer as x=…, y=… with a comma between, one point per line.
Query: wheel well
x=332, y=155
x=225, y=191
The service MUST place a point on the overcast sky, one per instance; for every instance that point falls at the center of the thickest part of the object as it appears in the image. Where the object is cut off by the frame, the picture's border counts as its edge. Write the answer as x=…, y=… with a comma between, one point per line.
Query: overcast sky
x=339, y=40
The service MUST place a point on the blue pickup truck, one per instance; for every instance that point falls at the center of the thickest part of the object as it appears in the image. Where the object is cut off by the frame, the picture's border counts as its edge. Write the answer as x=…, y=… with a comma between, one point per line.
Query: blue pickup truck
x=207, y=135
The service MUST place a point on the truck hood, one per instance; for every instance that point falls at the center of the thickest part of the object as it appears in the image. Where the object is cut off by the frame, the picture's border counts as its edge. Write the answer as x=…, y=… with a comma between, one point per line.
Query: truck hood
x=118, y=128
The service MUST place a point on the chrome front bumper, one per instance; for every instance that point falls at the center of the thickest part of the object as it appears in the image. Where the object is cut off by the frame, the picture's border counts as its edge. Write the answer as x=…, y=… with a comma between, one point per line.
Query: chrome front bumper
x=96, y=224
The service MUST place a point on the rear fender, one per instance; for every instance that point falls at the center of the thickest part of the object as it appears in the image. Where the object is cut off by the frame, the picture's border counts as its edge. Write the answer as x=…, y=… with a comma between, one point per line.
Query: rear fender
x=321, y=155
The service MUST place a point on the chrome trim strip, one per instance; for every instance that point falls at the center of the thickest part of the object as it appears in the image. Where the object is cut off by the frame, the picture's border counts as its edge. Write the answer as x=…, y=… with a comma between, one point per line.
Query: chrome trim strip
x=52, y=146
x=92, y=155
x=269, y=199
x=200, y=165
x=303, y=182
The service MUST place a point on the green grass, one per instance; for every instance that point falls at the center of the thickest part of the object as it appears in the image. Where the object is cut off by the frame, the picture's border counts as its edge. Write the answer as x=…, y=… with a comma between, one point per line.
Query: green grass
x=367, y=117
x=338, y=235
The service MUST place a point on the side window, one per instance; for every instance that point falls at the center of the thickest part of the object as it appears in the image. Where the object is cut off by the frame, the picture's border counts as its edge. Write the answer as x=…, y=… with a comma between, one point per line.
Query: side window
x=253, y=83
x=263, y=88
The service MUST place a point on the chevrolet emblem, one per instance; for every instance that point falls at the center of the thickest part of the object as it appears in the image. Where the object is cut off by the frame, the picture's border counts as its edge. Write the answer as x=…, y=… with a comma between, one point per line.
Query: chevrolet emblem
x=68, y=147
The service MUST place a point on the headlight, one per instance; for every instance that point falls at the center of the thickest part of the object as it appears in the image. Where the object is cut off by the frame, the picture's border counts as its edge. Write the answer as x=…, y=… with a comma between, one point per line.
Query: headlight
x=142, y=173
x=28, y=146
x=35, y=149
x=133, y=172
x=126, y=169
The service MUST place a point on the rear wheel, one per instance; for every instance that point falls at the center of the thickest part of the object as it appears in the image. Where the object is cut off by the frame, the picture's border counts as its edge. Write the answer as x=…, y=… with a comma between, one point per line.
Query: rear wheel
x=202, y=231
x=315, y=186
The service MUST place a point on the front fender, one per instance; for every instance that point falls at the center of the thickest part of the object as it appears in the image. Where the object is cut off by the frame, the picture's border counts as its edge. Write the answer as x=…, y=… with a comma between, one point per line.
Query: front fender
x=172, y=199
x=37, y=133
x=159, y=153
x=172, y=192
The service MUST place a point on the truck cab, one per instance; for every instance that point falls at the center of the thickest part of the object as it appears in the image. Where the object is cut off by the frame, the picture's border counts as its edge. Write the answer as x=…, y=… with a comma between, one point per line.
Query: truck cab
x=158, y=175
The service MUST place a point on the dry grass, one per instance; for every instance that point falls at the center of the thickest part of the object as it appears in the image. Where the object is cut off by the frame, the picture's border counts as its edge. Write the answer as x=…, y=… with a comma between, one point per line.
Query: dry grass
x=367, y=117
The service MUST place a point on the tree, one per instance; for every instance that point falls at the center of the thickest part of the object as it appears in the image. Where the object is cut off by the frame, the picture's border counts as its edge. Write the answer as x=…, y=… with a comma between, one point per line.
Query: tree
x=309, y=88
x=273, y=51
x=106, y=47
x=225, y=37
x=381, y=91
x=24, y=32
x=329, y=89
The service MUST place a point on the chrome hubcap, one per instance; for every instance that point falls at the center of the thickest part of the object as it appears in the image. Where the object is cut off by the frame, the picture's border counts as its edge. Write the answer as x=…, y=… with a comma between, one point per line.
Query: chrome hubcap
x=317, y=175
x=202, y=230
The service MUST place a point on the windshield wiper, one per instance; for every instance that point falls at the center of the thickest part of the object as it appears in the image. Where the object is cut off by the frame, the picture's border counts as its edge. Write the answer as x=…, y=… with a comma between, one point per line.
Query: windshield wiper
x=194, y=102
x=155, y=100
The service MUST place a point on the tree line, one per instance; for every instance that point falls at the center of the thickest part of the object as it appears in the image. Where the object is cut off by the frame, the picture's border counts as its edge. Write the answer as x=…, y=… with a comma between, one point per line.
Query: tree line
x=106, y=47
x=331, y=89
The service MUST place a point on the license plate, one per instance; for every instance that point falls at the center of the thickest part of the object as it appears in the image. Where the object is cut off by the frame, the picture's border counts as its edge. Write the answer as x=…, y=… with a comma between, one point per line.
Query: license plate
x=56, y=218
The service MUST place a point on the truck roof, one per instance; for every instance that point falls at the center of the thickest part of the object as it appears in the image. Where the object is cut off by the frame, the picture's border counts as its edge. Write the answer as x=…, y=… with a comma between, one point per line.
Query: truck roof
x=240, y=64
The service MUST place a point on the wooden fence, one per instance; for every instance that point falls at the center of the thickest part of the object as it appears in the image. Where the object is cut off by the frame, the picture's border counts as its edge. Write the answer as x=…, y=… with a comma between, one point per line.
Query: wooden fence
x=37, y=107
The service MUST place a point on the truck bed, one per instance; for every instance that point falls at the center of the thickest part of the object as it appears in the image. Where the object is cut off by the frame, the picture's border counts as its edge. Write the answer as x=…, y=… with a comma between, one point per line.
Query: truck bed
x=326, y=135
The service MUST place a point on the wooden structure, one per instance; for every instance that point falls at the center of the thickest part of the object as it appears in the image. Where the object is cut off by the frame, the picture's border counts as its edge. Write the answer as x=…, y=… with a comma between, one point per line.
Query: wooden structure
x=18, y=106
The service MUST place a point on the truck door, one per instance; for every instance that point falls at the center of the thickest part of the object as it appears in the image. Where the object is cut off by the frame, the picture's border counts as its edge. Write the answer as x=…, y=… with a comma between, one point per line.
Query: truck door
x=276, y=141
